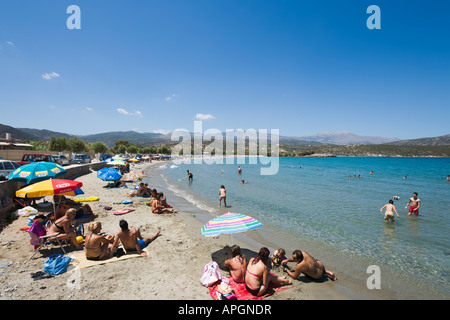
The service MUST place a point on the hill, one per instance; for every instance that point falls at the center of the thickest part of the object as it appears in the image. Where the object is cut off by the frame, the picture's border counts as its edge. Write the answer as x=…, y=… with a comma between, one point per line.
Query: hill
x=346, y=138
x=434, y=141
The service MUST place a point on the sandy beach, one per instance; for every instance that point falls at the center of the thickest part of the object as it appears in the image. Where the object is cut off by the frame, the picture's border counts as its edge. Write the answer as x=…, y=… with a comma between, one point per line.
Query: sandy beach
x=172, y=270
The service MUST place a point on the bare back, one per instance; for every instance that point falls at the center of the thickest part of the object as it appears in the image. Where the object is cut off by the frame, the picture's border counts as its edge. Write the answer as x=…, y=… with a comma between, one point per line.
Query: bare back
x=310, y=266
x=129, y=238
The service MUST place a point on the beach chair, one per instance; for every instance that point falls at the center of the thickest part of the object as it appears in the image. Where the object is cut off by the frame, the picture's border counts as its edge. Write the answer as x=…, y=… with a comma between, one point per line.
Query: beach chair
x=39, y=239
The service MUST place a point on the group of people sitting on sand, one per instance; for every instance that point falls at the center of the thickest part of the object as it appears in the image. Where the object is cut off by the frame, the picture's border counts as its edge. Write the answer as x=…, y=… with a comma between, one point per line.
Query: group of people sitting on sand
x=98, y=245
x=256, y=276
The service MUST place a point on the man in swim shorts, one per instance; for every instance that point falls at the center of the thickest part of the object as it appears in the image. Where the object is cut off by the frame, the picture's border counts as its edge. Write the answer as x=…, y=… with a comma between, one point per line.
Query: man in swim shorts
x=414, y=203
x=132, y=239
x=311, y=267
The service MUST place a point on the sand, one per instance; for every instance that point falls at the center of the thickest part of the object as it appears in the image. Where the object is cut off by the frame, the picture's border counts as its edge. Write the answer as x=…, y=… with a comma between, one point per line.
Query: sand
x=172, y=270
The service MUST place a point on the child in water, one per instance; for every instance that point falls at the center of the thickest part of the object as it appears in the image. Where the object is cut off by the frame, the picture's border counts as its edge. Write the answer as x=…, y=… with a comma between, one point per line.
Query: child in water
x=223, y=195
x=389, y=214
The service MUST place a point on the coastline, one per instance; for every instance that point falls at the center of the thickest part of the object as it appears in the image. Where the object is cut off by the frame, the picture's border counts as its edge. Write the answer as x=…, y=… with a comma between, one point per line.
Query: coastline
x=172, y=271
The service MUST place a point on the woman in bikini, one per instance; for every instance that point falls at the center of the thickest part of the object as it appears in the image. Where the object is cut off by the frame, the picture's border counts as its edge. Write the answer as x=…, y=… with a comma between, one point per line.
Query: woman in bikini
x=63, y=226
x=98, y=247
x=237, y=264
x=258, y=278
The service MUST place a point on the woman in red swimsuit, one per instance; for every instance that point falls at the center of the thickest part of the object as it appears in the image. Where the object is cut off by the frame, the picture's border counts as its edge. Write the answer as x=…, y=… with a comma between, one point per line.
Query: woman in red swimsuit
x=258, y=278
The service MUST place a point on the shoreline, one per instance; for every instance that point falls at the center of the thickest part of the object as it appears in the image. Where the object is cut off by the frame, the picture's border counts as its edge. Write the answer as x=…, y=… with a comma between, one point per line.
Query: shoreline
x=254, y=240
x=173, y=269
x=180, y=249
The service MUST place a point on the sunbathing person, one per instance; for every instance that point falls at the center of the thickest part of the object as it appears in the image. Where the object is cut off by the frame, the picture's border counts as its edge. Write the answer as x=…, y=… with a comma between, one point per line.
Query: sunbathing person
x=163, y=201
x=311, y=267
x=258, y=278
x=158, y=208
x=59, y=199
x=143, y=191
x=237, y=264
x=132, y=239
x=64, y=227
x=98, y=247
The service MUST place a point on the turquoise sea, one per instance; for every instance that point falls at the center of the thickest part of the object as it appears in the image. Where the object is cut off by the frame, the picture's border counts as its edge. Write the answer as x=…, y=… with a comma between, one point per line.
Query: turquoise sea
x=312, y=204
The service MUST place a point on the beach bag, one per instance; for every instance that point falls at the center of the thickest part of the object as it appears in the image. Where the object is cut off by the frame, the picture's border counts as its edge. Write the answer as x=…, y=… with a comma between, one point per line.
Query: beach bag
x=57, y=264
x=27, y=211
x=211, y=274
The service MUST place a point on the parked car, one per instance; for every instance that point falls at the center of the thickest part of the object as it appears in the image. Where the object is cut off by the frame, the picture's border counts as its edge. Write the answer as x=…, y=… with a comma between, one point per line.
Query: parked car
x=81, y=158
x=32, y=157
x=61, y=159
x=6, y=167
x=105, y=156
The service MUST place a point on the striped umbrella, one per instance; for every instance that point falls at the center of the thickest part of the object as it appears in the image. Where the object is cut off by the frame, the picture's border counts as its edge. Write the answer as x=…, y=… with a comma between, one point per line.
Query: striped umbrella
x=230, y=223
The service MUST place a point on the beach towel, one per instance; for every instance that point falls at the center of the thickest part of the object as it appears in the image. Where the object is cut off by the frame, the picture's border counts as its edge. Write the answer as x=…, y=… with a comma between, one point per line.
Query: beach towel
x=80, y=260
x=123, y=211
x=242, y=293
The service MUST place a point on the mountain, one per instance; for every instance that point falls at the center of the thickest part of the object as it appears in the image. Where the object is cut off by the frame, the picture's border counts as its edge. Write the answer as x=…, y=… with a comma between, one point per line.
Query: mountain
x=42, y=134
x=109, y=138
x=346, y=138
x=434, y=141
x=15, y=133
x=150, y=138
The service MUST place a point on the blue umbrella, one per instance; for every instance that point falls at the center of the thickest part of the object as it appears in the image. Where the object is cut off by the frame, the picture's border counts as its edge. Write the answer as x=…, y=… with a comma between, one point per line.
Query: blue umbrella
x=37, y=171
x=109, y=174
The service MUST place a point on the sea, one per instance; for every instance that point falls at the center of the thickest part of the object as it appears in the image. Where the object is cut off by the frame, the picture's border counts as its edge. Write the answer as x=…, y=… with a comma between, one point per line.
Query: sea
x=330, y=208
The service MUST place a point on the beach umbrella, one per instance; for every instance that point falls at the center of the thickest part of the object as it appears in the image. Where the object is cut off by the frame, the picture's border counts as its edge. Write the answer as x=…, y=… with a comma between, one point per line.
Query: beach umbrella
x=132, y=175
x=109, y=174
x=117, y=163
x=108, y=160
x=230, y=223
x=37, y=171
x=48, y=188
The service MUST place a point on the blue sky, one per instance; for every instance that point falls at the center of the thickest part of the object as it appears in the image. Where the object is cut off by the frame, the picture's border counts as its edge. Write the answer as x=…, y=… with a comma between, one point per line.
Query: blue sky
x=302, y=67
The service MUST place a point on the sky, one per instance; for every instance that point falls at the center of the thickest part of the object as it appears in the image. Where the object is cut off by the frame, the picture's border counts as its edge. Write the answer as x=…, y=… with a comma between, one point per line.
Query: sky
x=302, y=67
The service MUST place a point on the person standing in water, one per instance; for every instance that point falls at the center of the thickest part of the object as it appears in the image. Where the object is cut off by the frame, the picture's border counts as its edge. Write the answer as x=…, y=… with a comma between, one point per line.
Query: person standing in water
x=239, y=170
x=223, y=195
x=190, y=175
x=414, y=203
x=389, y=214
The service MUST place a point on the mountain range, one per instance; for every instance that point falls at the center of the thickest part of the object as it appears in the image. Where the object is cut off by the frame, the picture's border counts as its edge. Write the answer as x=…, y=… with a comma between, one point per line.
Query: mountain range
x=150, y=138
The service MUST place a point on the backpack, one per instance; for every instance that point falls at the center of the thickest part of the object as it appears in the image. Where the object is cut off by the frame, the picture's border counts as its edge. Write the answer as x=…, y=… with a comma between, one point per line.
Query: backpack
x=211, y=274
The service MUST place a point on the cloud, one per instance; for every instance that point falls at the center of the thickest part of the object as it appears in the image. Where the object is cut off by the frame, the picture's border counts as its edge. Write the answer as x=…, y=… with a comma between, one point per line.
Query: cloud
x=50, y=76
x=126, y=113
x=171, y=97
x=89, y=109
x=11, y=44
x=162, y=131
x=201, y=116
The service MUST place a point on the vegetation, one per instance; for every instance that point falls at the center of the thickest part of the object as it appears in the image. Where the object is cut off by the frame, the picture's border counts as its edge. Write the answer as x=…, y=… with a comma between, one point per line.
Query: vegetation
x=367, y=150
x=77, y=145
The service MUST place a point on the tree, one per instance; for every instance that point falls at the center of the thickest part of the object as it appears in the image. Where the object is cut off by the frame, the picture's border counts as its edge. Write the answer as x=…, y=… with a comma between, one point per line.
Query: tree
x=58, y=144
x=163, y=150
x=132, y=149
x=99, y=147
x=121, y=149
x=120, y=143
x=76, y=145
